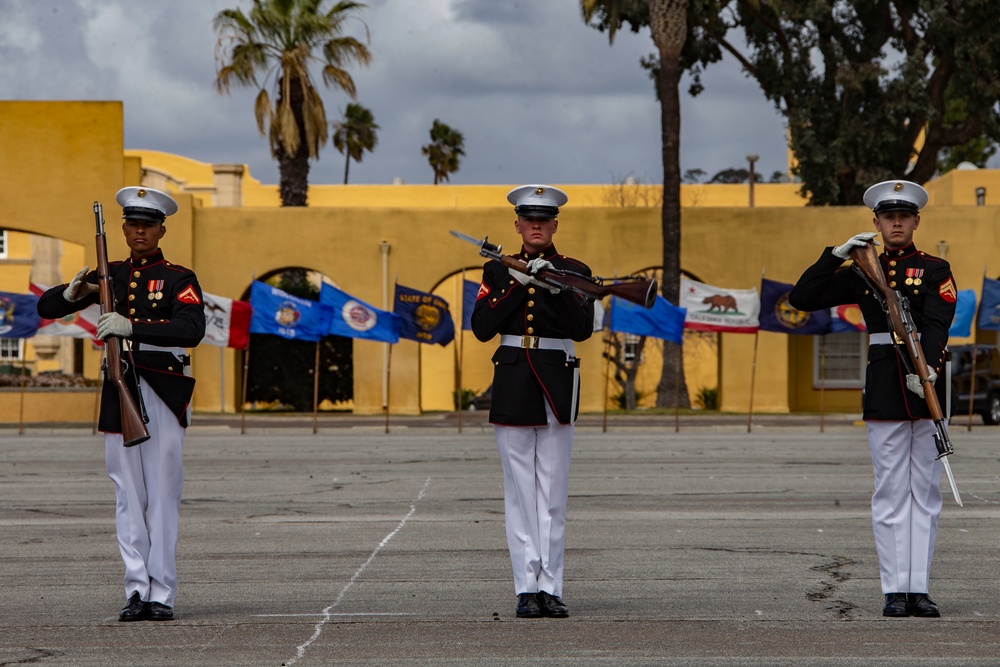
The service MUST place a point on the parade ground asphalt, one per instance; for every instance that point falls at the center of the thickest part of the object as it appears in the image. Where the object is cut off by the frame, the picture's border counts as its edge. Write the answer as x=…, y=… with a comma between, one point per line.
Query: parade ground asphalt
x=700, y=541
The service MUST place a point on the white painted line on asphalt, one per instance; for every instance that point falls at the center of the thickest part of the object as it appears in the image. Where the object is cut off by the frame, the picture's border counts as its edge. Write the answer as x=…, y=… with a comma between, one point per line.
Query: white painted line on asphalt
x=301, y=650
x=319, y=613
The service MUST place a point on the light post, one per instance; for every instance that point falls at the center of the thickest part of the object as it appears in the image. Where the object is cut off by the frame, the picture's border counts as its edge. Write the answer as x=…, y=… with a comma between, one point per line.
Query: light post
x=980, y=196
x=751, y=159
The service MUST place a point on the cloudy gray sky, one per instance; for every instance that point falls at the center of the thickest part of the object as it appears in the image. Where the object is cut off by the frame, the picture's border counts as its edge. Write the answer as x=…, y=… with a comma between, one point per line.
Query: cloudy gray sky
x=538, y=95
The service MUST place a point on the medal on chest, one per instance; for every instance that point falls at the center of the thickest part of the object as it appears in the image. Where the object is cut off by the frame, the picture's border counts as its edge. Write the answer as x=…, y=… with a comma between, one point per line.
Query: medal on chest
x=155, y=288
x=913, y=276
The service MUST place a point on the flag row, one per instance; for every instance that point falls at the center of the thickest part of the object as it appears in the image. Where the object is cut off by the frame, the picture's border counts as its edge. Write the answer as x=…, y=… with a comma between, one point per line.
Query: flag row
x=426, y=317
x=706, y=308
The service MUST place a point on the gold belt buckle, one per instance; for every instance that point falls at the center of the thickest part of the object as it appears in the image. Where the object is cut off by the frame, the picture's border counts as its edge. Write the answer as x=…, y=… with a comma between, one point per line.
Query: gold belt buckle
x=529, y=342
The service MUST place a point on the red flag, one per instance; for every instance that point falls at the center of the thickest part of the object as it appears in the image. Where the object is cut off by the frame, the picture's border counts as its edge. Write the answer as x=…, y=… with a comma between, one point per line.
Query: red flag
x=227, y=322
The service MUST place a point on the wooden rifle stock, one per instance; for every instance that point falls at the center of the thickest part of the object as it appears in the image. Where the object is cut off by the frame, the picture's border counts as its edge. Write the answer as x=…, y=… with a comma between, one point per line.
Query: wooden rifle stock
x=635, y=290
x=903, y=328
x=134, y=429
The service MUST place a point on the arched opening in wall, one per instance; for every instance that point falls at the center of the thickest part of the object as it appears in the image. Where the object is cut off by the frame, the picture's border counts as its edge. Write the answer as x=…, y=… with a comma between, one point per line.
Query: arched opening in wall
x=455, y=373
x=635, y=363
x=282, y=373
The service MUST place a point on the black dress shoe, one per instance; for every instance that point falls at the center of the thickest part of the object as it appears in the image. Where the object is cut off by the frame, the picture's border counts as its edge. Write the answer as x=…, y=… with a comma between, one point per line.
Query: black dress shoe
x=895, y=605
x=552, y=606
x=160, y=612
x=920, y=604
x=135, y=610
x=527, y=606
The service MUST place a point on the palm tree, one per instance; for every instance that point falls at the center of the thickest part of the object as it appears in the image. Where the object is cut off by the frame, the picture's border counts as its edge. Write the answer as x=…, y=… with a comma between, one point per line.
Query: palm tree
x=355, y=134
x=444, y=151
x=278, y=40
x=668, y=24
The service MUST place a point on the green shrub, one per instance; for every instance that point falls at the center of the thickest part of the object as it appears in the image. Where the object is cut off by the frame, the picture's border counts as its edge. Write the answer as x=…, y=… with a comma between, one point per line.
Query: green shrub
x=708, y=398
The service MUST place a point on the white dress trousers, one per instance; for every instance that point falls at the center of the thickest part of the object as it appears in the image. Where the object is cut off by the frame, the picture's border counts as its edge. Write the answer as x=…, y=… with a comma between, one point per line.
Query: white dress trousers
x=535, y=462
x=906, y=503
x=148, y=480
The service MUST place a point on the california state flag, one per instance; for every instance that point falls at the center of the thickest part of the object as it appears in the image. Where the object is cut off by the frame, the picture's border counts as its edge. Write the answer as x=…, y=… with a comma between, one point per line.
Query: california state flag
x=227, y=322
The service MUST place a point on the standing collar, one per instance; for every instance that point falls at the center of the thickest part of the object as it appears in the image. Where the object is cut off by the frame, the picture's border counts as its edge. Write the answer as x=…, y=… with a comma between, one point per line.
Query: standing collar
x=899, y=253
x=153, y=258
x=546, y=253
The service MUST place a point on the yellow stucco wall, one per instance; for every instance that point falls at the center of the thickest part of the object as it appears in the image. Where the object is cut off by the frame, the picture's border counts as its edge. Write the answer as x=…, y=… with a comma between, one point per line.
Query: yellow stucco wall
x=67, y=154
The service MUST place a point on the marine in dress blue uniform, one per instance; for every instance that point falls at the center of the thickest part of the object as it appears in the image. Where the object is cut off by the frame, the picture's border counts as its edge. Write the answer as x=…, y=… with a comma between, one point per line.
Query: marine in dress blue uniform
x=159, y=314
x=907, y=500
x=534, y=395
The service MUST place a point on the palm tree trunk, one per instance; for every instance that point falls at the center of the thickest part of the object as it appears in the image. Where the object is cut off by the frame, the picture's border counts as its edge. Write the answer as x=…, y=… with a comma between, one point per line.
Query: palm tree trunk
x=672, y=387
x=347, y=165
x=293, y=170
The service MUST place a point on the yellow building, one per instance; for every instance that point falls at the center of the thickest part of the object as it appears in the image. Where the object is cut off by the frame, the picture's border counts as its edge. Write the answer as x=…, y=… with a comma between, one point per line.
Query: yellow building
x=60, y=156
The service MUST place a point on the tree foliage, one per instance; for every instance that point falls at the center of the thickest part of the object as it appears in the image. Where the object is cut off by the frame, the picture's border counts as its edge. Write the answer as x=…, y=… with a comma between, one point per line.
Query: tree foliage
x=445, y=151
x=277, y=41
x=871, y=89
x=355, y=134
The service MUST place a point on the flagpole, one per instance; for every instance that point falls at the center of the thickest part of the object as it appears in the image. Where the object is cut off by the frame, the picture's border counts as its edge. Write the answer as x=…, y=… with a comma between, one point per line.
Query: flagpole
x=677, y=386
x=753, y=368
x=97, y=409
x=316, y=388
x=222, y=380
x=822, y=380
x=975, y=356
x=386, y=347
x=20, y=418
x=753, y=376
x=388, y=385
x=459, y=289
x=607, y=365
x=246, y=374
x=97, y=396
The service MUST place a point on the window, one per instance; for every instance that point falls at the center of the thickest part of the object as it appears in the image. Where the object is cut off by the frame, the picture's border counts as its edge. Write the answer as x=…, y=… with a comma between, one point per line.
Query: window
x=842, y=358
x=3, y=244
x=10, y=349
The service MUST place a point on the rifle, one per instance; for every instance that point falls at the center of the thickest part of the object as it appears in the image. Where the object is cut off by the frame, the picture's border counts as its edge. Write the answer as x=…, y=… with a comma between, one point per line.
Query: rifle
x=134, y=430
x=904, y=332
x=634, y=289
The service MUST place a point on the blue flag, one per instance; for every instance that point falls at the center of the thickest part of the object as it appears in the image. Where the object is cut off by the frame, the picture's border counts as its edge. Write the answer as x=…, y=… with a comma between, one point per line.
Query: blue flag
x=353, y=318
x=965, y=309
x=989, y=305
x=279, y=313
x=470, y=291
x=777, y=315
x=18, y=315
x=663, y=320
x=426, y=317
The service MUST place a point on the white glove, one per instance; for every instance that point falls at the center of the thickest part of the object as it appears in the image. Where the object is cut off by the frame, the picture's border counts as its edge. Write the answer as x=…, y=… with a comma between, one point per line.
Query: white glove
x=914, y=384
x=536, y=265
x=522, y=278
x=856, y=241
x=77, y=288
x=113, y=324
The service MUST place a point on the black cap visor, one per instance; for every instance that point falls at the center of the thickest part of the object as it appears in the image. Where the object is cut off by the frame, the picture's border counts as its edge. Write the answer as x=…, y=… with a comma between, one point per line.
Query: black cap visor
x=895, y=205
x=537, y=212
x=142, y=213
